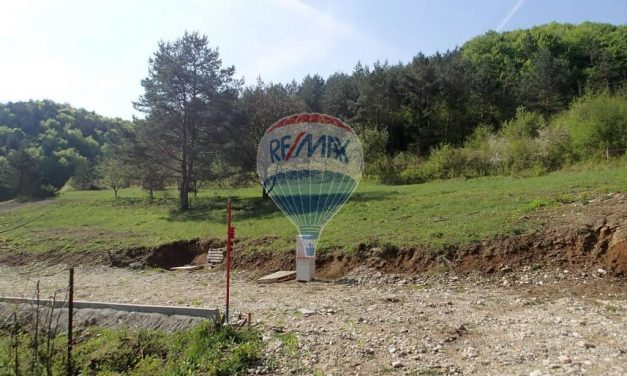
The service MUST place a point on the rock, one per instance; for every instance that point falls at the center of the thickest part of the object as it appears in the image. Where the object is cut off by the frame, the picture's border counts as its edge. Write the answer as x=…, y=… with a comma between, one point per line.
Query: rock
x=397, y=364
x=585, y=345
x=535, y=373
x=135, y=265
x=554, y=366
x=505, y=283
x=564, y=359
x=392, y=350
x=601, y=272
x=307, y=312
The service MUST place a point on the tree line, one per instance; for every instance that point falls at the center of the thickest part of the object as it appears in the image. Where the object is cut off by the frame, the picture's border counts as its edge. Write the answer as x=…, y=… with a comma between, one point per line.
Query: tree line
x=202, y=124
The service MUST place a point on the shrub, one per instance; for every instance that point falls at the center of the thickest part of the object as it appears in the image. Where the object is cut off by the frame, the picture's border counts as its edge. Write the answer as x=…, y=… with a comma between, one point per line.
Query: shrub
x=597, y=125
x=388, y=251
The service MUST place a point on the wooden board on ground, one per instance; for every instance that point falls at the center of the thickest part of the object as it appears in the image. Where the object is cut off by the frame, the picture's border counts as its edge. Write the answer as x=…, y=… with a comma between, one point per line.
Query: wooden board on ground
x=280, y=276
x=187, y=267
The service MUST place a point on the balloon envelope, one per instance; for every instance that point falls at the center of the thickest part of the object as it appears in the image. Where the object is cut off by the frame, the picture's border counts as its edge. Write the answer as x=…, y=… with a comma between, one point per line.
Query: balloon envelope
x=310, y=164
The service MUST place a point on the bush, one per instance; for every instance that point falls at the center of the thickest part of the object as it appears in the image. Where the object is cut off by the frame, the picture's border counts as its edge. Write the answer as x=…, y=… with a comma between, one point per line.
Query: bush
x=373, y=142
x=523, y=150
x=597, y=125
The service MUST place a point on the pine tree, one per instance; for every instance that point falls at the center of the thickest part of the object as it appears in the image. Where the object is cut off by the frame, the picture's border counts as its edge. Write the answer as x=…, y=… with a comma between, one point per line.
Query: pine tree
x=188, y=100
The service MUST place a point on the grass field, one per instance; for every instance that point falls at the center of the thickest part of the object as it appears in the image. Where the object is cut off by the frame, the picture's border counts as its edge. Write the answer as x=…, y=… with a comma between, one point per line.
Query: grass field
x=433, y=214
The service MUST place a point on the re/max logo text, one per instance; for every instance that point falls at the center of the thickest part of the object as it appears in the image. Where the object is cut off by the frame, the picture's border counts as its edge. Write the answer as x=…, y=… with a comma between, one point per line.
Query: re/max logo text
x=325, y=146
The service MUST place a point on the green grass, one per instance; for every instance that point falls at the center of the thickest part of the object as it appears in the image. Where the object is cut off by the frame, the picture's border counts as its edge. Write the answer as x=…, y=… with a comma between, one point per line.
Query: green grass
x=433, y=215
x=202, y=350
x=290, y=343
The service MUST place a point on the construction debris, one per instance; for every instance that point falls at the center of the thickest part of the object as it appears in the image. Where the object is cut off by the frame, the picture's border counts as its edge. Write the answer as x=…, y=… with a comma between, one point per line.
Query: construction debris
x=280, y=276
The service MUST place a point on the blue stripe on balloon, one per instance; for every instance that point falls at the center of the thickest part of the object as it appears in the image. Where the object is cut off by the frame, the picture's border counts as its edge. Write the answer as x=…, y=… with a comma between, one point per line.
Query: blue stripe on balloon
x=283, y=189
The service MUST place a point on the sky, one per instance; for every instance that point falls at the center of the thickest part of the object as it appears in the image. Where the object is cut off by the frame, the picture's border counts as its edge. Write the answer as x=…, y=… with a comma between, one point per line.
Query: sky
x=94, y=53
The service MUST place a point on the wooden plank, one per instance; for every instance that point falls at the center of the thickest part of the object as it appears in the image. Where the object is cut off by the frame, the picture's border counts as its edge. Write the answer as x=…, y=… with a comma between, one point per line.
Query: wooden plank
x=280, y=276
x=187, y=267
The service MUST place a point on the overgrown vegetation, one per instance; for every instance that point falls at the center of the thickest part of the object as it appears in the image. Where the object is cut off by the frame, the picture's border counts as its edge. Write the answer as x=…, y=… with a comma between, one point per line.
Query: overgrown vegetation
x=203, y=350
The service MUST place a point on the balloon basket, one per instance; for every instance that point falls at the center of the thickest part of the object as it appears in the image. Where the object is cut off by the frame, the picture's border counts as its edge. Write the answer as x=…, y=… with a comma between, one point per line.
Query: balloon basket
x=305, y=258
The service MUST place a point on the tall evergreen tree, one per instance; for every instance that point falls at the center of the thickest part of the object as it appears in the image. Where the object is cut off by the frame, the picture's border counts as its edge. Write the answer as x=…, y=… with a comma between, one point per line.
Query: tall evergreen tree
x=340, y=96
x=311, y=91
x=188, y=101
x=545, y=87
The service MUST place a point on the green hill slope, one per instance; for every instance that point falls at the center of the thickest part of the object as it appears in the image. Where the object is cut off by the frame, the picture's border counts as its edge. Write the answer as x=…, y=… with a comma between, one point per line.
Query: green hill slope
x=433, y=215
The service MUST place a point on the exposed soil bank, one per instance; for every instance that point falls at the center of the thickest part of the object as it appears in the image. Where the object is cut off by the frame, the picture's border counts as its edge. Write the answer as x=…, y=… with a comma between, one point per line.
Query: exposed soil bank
x=574, y=236
x=603, y=245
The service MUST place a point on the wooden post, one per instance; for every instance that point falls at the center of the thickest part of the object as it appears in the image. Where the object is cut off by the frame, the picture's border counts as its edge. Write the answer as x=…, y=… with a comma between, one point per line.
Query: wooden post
x=70, y=317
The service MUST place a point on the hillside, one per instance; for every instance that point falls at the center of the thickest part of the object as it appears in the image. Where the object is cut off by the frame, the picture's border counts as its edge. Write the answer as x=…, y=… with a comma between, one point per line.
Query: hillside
x=43, y=144
x=432, y=217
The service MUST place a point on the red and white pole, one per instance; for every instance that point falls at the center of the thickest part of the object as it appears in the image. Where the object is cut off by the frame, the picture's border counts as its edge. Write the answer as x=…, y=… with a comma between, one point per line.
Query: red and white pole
x=230, y=235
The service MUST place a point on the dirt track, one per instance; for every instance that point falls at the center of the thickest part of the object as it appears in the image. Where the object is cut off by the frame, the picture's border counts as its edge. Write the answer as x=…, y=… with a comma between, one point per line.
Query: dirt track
x=542, y=321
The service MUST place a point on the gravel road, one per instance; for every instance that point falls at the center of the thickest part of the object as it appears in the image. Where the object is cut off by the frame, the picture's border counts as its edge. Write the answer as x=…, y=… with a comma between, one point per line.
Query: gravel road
x=524, y=322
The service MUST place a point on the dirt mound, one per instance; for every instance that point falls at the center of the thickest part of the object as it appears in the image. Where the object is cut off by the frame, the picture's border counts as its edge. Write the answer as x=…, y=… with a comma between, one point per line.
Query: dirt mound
x=596, y=240
x=617, y=252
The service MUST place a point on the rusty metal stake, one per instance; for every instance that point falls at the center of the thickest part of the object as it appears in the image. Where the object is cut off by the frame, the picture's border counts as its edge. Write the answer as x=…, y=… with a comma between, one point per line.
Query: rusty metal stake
x=70, y=318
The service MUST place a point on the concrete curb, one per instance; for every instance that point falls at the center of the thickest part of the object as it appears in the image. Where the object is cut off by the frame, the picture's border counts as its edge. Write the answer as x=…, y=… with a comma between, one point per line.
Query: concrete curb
x=208, y=313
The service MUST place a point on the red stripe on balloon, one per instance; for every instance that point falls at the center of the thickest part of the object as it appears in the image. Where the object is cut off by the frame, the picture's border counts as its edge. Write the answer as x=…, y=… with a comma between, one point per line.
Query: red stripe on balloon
x=296, y=141
x=309, y=118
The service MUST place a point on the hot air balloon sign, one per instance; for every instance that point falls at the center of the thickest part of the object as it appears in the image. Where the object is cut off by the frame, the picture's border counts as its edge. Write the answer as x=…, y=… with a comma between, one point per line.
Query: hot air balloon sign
x=309, y=164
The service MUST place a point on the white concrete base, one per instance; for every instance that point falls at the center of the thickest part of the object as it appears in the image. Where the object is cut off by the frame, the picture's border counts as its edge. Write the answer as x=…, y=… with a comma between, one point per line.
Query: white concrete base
x=305, y=268
x=305, y=258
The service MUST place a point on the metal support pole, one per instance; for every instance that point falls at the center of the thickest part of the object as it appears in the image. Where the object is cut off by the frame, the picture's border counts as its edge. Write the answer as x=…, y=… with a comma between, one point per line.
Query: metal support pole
x=230, y=235
x=70, y=318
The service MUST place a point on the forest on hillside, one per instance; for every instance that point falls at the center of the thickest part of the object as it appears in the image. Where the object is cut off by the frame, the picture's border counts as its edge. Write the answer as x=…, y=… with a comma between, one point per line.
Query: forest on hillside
x=534, y=99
